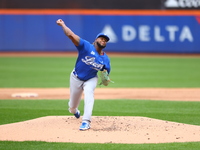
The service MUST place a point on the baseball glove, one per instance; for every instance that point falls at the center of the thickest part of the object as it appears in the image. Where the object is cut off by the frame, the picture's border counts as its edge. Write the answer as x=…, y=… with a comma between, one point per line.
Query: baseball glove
x=105, y=79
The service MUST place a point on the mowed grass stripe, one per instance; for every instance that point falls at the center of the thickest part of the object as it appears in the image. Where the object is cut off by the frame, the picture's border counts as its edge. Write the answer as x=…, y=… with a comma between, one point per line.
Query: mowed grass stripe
x=126, y=72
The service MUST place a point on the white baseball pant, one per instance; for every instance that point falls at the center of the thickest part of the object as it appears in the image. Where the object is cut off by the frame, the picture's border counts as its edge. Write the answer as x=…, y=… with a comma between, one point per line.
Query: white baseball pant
x=77, y=88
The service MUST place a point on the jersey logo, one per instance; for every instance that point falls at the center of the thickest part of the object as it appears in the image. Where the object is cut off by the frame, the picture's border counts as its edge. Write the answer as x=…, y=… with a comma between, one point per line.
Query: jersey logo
x=91, y=61
x=92, y=52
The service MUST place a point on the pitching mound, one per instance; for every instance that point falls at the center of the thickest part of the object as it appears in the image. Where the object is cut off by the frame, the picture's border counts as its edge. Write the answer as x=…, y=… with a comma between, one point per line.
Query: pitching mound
x=103, y=130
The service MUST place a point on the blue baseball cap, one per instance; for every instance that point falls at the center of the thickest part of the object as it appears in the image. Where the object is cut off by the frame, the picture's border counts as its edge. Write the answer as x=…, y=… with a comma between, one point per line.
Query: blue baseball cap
x=103, y=35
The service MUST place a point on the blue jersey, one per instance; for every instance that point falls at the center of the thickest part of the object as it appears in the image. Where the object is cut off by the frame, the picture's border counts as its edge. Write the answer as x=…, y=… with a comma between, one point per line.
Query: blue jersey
x=89, y=62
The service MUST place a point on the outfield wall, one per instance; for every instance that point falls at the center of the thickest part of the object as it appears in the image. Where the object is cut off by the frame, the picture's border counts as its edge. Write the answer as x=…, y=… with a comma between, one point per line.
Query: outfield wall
x=129, y=30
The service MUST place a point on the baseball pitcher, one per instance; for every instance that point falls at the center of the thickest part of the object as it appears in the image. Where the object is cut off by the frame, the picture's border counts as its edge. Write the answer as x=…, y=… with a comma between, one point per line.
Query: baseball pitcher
x=83, y=78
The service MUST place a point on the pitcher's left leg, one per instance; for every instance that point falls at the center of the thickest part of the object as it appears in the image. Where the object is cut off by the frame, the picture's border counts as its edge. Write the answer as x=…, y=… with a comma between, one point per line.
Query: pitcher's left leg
x=89, y=87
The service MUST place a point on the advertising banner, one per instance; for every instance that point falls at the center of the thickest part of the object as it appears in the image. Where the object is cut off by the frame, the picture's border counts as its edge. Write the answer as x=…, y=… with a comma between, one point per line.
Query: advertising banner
x=182, y=4
x=128, y=33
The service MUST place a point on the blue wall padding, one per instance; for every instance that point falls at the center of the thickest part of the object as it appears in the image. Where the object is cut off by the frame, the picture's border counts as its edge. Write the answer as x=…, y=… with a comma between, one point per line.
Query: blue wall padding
x=131, y=33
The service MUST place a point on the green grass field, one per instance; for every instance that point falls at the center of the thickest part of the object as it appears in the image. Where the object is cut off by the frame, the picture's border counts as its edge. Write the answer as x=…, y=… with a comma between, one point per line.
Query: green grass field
x=47, y=72
x=126, y=72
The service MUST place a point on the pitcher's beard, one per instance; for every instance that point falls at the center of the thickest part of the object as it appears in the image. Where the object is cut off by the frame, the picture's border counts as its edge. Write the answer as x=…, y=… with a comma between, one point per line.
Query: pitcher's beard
x=100, y=46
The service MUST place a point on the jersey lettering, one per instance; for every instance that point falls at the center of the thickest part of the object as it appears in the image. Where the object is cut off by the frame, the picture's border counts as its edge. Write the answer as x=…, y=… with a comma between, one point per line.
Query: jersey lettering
x=91, y=61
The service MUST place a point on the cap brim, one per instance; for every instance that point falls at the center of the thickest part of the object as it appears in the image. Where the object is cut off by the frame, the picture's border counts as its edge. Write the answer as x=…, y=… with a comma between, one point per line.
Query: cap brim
x=107, y=38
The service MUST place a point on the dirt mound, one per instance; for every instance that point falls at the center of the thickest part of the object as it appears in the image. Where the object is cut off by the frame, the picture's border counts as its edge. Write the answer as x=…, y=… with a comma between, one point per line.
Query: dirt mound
x=103, y=130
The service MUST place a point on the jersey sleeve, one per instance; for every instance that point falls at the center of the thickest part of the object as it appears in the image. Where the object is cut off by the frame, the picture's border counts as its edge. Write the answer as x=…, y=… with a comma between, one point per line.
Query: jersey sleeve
x=83, y=45
x=107, y=65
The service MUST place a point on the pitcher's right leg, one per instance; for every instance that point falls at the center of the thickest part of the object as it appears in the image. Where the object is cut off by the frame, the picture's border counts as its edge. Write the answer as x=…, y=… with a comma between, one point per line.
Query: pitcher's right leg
x=76, y=91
